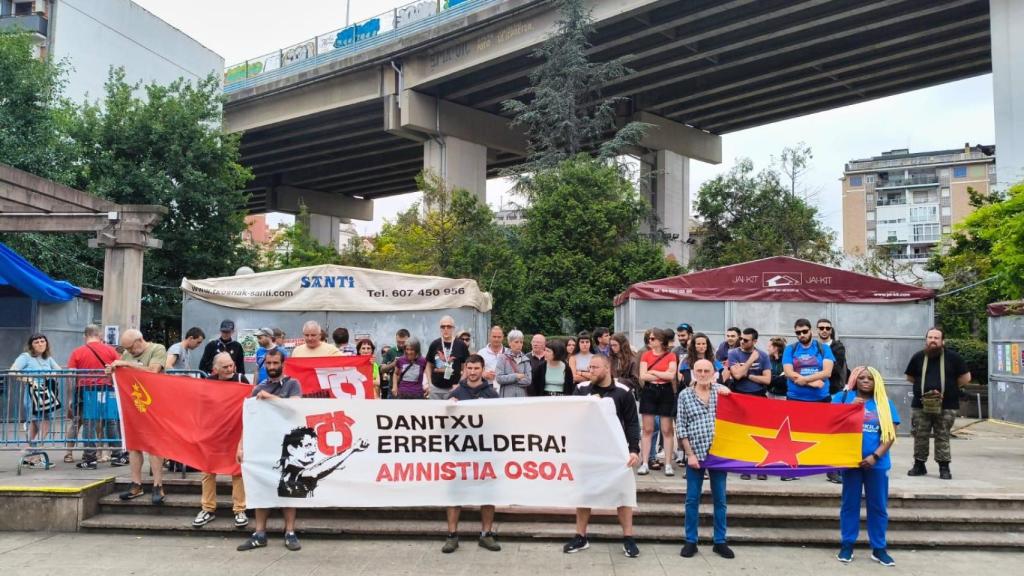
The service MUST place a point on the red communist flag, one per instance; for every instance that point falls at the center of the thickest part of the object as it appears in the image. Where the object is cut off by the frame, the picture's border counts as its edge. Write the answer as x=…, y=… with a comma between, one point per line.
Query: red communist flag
x=191, y=420
x=333, y=376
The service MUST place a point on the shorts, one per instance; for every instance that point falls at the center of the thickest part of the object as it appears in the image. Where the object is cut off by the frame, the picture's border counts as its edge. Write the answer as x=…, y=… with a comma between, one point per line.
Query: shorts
x=657, y=399
x=100, y=404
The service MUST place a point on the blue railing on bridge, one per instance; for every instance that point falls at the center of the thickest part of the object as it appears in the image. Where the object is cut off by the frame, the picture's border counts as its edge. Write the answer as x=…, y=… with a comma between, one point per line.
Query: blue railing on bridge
x=343, y=42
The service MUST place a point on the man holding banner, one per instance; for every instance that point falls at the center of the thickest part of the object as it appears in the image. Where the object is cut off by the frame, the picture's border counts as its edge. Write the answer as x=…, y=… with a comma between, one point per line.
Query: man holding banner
x=603, y=386
x=695, y=428
x=277, y=385
x=474, y=387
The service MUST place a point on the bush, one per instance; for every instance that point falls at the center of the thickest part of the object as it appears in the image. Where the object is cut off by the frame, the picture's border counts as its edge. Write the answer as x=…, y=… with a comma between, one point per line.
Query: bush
x=975, y=354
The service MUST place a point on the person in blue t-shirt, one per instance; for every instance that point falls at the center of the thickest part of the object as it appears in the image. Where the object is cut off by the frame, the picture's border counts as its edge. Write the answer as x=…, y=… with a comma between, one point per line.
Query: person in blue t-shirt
x=265, y=338
x=808, y=366
x=867, y=387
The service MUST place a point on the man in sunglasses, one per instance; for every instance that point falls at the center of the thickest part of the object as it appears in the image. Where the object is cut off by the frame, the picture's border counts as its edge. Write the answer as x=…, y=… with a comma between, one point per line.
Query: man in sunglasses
x=827, y=336
x=808, y=366
x=445, y=357
x=751, y=371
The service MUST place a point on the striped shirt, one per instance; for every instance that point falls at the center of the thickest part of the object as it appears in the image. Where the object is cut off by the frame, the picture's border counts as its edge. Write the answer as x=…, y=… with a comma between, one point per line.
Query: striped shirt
x=696, y=420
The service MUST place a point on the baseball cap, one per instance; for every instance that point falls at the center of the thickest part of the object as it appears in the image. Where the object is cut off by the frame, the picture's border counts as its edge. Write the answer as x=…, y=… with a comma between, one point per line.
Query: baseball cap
x=684, y=326
x=268, y=332
x=227, y=326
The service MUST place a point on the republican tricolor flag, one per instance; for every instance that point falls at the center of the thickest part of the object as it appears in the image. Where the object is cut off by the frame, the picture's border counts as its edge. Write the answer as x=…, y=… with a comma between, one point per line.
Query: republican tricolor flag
x=333, y=376
x=761, y=436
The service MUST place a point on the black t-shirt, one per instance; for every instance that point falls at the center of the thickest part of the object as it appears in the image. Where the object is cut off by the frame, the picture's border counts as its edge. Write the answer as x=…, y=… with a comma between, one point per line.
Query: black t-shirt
x=955, y=367
x=436, y=359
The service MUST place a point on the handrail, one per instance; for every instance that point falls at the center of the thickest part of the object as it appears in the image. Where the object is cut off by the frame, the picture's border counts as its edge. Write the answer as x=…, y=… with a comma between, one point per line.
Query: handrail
x=343, y=42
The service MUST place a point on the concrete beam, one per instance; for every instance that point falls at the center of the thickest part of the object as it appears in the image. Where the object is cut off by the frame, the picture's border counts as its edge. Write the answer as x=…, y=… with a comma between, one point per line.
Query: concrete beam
x=683, y=140
x=46, y=195
x=1008, y=90
x=502, y=40
x=288, y=198
x=432, y=116
x=459, y=163
x=328, y=94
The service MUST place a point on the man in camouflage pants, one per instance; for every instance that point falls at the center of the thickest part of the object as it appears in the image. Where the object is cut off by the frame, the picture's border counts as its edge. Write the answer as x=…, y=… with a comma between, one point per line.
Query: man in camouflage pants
x=936, y=375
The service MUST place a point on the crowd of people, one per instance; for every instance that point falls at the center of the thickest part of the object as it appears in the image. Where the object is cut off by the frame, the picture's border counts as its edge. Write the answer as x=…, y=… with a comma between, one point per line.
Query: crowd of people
x=665, y=392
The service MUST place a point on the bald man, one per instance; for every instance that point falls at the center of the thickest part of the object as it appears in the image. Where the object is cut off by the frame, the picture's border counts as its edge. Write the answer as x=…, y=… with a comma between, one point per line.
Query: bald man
x=150, y=357
x=313, y=345
x=445, y=357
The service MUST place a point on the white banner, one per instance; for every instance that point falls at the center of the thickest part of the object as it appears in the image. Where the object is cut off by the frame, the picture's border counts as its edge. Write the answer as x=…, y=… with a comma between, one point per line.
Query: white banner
x=333, y=288
x=555, y=452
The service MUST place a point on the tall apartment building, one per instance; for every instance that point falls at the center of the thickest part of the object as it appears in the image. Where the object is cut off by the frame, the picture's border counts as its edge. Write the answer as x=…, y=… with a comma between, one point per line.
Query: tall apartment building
x=94, y=35
x=906, y=201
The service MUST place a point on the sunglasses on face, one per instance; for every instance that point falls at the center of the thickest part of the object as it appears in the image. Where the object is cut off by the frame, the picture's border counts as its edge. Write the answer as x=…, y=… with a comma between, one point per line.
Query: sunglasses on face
x=825, y=328
x=447, y=326
x=746, y=339
x=802, y=332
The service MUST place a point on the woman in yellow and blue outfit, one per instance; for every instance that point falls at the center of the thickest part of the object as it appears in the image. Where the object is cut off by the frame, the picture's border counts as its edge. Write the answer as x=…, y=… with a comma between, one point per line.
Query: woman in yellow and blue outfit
x=867, y=387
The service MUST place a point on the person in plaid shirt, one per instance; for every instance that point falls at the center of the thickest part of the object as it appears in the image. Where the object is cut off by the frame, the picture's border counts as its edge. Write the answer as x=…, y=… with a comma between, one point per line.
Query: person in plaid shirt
x=695, y=428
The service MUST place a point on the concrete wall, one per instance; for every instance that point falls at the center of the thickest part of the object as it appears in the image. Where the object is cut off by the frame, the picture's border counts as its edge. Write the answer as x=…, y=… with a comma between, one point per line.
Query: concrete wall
x=51, y=510
x=1007, y=20
x=95, y=35
x=881, y=335
x=854, y=214
x=1006, y=374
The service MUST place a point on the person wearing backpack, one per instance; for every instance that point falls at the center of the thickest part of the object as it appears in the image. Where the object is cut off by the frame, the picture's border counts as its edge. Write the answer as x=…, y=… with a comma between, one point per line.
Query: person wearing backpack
x=808, y=366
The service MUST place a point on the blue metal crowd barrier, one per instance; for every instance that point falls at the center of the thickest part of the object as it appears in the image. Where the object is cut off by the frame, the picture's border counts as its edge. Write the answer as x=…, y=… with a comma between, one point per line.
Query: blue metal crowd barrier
x=61, y=410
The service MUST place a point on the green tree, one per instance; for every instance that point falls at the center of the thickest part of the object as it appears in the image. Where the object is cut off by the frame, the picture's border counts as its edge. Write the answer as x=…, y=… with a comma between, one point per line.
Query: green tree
x=33, y=127
x=582, y=237
x=750, y=215
x=979, y=262
x=567, y=114
x=297, y=247
x=168, y=149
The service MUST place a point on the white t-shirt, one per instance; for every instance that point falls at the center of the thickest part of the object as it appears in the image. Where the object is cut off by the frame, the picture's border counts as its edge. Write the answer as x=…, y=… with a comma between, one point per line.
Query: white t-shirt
x=491, y=358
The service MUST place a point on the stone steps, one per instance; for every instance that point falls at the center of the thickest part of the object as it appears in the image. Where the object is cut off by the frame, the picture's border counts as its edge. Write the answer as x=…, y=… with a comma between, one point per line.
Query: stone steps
x=557, y=533
x=746, y=515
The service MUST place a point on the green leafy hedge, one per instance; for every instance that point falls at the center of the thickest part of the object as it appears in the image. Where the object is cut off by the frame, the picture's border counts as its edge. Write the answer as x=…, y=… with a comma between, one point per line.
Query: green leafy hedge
x=975, y=354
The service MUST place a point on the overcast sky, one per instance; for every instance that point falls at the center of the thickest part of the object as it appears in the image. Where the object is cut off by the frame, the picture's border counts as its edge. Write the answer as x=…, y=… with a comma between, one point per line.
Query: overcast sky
x=942, y=117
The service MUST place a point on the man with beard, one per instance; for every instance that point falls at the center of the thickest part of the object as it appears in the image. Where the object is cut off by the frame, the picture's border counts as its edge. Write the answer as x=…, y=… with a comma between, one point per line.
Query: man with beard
x=936, y=403
x=276, y=386
x=603, y=386
x=808, y=366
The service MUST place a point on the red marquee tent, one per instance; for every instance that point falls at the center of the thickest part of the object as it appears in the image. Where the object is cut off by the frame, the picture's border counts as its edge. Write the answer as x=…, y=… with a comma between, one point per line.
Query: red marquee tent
x=779, y=278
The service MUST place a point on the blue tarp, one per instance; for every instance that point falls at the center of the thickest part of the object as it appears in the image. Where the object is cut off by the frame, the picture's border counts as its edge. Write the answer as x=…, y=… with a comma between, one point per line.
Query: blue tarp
x=17, y=273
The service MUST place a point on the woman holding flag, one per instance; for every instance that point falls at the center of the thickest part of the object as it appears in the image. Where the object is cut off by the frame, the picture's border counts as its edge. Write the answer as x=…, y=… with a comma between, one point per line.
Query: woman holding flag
x=867, y=387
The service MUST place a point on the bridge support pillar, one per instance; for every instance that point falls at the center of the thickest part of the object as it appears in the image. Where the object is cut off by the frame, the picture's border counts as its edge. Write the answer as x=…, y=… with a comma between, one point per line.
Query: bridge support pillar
x=326, y=229
x=1008, y=89
x=459, y=163
x=666, y=182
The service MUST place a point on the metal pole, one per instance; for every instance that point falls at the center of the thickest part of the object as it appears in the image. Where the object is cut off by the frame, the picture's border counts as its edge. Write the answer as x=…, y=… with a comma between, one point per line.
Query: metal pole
x=348, y=10
x=978, y=397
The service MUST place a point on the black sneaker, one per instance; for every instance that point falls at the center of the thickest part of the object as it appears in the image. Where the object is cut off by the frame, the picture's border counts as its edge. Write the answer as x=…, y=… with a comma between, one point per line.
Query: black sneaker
x=134, y=492
x=291, y=542
x=158, y=495
x=86, y=465
x=578, y=542
x=689, y=550
x=254, y=541
x=121, y=460
x=744, y=476
x=834, y=477
x=629, y=547
x=944, y=474
x=724, y=551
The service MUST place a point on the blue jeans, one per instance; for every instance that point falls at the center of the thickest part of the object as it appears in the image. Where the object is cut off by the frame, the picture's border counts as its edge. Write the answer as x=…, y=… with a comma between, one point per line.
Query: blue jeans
x=694, y=483
x=875, y=485
x=655, y=438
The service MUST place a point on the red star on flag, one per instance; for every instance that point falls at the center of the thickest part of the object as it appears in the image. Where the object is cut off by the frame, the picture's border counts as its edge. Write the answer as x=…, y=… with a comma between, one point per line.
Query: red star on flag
x=782, y=449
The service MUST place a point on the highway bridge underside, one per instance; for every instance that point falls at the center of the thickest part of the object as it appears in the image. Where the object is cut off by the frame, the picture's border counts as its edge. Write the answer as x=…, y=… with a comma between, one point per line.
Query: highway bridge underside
x=707, y=66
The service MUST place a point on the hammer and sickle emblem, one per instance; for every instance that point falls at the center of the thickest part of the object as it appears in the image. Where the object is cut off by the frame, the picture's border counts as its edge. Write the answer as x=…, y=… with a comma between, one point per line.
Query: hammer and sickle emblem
x=140, y=397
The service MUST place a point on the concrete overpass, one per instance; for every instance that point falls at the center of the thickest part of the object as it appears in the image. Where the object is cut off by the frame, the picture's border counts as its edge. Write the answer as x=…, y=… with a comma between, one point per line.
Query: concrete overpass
x=344, y=129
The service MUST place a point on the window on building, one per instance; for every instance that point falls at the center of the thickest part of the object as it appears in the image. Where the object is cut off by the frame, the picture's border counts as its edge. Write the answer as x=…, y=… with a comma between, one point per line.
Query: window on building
x=23, y=8
x=856, y=181
x=870, y=216
x=890, y=236
x=925, y=197
x=926, y=233
x=947, y=229
x=924, y=214
x=871, y=236
x=960, y=172
x=945, y=192
x=943, y=172
x=946, y=211
x=870, y=178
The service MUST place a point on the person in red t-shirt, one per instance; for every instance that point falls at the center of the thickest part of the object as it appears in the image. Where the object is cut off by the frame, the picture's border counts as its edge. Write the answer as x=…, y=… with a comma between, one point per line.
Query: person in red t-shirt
x=95, y=405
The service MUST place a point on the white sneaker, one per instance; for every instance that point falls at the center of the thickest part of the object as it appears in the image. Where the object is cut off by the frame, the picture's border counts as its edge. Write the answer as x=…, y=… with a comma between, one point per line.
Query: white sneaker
x=202, y=519
x=241, y=520
x=668, y=470
x=643, y=470
x=680, y=459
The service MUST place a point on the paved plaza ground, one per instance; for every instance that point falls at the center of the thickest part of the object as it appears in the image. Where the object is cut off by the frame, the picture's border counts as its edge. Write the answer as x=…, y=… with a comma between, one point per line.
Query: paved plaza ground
x=38, y=554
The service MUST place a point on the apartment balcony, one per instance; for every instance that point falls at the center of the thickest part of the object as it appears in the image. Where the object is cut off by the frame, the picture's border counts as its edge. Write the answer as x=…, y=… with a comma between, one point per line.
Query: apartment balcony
x=35, y=23
x=916, y=180
x=882, y=201
x=925, y=238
